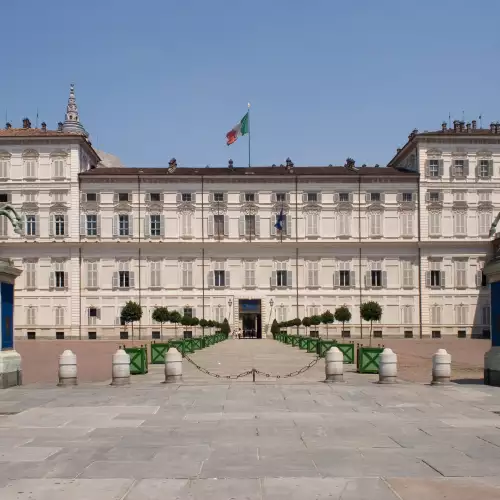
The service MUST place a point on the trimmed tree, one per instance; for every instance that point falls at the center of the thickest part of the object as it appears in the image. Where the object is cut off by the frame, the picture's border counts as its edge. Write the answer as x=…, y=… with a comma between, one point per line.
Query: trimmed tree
x=186, y=321
x=327, y=319
x=225, y=328
x=275, y=327
x=131, y=313
x=175, y=318
x=195, y=322
x=315, y=320
x=342, y=315
x=371, y=311
x=161, y=315
x=306, y=322
x=211, y=324
x=203, y=324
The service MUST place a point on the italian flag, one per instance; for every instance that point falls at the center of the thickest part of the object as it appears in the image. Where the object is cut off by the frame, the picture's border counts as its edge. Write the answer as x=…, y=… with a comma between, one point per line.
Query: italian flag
x=242, y=128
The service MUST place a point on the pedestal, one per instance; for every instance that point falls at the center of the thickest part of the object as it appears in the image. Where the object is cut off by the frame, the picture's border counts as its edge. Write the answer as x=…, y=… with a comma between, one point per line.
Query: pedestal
x=492, y=357
x=10, y=360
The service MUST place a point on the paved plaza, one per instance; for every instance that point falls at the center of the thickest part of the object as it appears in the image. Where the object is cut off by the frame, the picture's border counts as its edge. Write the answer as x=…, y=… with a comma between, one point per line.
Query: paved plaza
x=215, y=439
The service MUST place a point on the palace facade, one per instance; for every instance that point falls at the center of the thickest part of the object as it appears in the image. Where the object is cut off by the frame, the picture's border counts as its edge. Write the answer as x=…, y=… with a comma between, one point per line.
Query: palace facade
x=413, y=236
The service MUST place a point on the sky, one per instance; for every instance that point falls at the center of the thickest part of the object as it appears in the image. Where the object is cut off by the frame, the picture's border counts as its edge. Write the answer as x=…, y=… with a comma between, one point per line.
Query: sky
x=326, y=79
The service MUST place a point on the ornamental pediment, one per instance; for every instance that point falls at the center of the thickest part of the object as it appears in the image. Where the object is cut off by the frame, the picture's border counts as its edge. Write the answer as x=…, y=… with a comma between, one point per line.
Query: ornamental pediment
x=185, y=207
x=249, y=208
x=483, y=153
x=58, y=207
x=123, y=206
x=155, y=206
x=218, y=207
x=278, y=206
x=434, y=152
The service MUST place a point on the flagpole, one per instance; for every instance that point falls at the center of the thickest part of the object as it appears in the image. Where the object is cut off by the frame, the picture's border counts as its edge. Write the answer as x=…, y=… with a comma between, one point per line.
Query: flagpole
x=281, y=235
x=249, y=131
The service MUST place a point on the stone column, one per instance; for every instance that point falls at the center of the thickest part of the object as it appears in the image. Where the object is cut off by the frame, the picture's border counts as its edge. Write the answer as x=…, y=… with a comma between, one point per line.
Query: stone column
x=10, y=360
x=492, y=357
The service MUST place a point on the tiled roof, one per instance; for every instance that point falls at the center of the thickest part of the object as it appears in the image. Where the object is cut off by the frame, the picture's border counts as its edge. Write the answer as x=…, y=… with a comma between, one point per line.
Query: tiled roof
x=265, y=170
x=36, y=132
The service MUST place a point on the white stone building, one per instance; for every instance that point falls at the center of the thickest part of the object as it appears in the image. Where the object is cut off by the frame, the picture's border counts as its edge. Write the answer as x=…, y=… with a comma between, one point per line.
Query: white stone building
x=203, y=241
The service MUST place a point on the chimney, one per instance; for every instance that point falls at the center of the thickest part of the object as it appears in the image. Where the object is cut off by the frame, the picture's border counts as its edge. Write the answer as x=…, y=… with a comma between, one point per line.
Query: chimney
x=26, y=123
x=44, y=127
x=462, y=125
x=443, y=127
x=492, y=127
x=468, y=127
x=455, y=125
x=474, y=124
x=497, y=128
x=398, y=150
x=59, y=127
x=8, y=126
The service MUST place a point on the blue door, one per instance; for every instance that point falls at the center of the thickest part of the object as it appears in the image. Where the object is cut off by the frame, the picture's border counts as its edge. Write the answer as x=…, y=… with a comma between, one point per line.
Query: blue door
x=7, y=295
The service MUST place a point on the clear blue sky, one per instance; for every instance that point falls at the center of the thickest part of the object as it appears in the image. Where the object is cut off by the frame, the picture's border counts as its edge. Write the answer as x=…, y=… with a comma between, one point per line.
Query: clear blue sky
x=327, y=79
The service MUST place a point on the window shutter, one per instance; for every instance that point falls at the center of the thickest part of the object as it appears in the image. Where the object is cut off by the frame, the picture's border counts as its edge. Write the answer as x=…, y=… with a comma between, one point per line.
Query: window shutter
x=147, y=197
x=52, y=224
x=336, y=279
x=115, y=198
x=443, y=282
x=131, y=279
x=304, y=197
x=83, y=197
x=257, y=226
x=162, y=197
x=490, y=168
x=479, y=278
x=274, y=280
x=210, y=197
x=336, y=197
x=466, y=168
x=242, y=197
x=99, y=225
x=382, y=197
x=319, y=197
x=37, y=224
x=226, y=226
x=52, y=279
x=287, y=197
x=66, y=225
x=131, y=225
x=210, y=229
x=351, y=198
x=210, y=279
x=115, y=225
x=83, y=225
x=367, y=197
x=289, y=224
x=256, y=197
x=178, y=198
x=224, y=197
x=273, y=197
x=452, y=170
x=384, y=279
x=227, y=279
x=399, y=198
x=427, y=168
x=66, y=280
x=428, y=279
x=115, y=279
x=272, y=229
x=352, y=280
x=162, y=226
x=441, y=168
x=241, y=225
x=289, y=279
x=368, y=279
x=147, y=225
x=193, y=197
x=98, y=313
x=427, y=197
x=476, y=170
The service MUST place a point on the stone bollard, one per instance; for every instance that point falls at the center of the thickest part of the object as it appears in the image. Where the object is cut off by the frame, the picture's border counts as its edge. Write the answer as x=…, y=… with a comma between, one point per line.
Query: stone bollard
x=67, y=369
x=441, y=367
x=388, y=367
x=120, y=370
x=173, y=366
x=334, y=365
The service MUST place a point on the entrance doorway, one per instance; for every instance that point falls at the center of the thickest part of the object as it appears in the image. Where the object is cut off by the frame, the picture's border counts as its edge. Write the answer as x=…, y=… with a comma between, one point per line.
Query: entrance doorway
x=250, y=315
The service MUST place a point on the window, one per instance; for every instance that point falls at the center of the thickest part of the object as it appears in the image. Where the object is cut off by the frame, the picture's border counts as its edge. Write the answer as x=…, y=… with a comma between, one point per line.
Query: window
x=93, y=315
x=186, y=197
x=375, y=224
x=285, y=225
x=250, y=197
x=4, y=226
x=485, y=219
x=4, y=167
x=92, y=274
x=434, y=170
x=31, y=316
x=58, y=165
x=123, y=225
x=461, y=315
x=30, y=197
x=312, y=223
x=312, y=273
x=434, y=196
x=218, y=197
x=485, y=315
x=250, y=273
x=188, y=312
x=281, y=313
x=435, y=315
x=155, y=197
x=313, y=311
x=31, y=225
x=484, y=196
x=374, y=197
x=344, y=197
x=155, y=272
x=186, y=226
x=220, y=275
x=434, y=223
x=459, y=196
x=91, y=196
x=30, y=275
x=187, y=274
x=406, y=223
x=59, y=278
x=485, y=168
x=281, y=197
x=219, y=313
x=4, y=198
x=407, y=197
x=91, y=225
x=407, y=273
x=460, y=223
x=124, y=279
x=281, y=277
x=435, y=277
x=459, y=168
x=219, y=225
x=407, y=315
x=59, y=225
x=312, y=197
x=249, y=224
x=123, y=196
x=155, y=225
x=460, y=274
x=59, y=314
x=57, y=196
x=30, y=168
x=375, y=276
x=344, y=223
x=345, y=274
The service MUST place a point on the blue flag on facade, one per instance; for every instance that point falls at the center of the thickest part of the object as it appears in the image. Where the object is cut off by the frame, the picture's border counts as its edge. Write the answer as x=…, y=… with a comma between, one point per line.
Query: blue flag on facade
x=279, y=221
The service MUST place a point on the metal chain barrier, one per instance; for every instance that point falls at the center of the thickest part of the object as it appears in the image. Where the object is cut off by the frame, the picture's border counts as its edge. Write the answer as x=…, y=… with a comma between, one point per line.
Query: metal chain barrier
x=253, y=371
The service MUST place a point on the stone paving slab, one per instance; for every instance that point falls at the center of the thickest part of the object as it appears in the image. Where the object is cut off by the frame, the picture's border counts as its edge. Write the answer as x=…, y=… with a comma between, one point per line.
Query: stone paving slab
x=213, y=439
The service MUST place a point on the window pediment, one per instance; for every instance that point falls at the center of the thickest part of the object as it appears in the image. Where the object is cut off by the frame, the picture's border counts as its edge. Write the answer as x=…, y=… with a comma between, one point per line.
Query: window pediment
x=59, y=153
x=434, y=153
x=484, y=154
x=5, y=155
x=30, y=153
